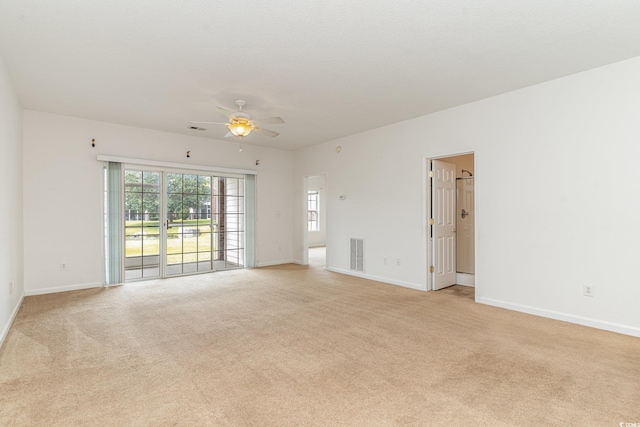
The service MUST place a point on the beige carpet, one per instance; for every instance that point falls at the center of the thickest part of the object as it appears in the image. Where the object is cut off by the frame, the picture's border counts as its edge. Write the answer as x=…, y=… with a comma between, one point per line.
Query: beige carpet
x=299, y=346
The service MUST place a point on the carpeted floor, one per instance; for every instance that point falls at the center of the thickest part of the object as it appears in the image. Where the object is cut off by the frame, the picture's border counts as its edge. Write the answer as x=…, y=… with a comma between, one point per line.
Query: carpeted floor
x=301, y=346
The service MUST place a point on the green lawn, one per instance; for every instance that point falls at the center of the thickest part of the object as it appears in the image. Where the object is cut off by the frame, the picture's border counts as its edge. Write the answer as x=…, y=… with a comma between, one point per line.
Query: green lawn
x=142, y=238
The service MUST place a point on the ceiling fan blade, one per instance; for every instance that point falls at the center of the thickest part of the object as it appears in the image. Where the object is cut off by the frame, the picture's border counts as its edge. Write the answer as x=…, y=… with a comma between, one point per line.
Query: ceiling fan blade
x=266, y=132
x=225, y=111
x=270, y=121
x=229, y=135
x=207, y=123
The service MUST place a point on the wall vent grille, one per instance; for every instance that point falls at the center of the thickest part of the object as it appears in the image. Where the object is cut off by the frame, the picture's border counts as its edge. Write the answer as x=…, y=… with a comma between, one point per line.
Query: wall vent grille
x=357, y=255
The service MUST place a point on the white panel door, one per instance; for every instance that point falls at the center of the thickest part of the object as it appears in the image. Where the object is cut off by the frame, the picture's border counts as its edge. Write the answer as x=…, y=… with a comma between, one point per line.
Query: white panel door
x=443, y=205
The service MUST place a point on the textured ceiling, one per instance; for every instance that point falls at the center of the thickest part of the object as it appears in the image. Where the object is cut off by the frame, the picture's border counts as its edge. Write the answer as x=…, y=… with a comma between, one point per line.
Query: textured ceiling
x=330, y=68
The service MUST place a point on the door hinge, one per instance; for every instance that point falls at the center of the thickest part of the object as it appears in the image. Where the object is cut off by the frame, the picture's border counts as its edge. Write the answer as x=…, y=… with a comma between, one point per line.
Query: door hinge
x=432, y=221
x=431, y=269
x=430, y=174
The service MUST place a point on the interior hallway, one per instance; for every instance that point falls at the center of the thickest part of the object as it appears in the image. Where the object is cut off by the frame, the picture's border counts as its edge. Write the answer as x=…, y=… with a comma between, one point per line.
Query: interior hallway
x=318, y=257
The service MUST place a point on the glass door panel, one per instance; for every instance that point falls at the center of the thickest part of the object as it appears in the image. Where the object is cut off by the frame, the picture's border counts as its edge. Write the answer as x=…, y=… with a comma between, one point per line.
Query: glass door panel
x=228, y=210
x=142, y=230
x=189, y=224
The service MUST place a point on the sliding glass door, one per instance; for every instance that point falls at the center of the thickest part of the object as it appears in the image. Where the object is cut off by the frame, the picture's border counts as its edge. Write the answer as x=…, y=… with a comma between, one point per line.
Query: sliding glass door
x=182, y=223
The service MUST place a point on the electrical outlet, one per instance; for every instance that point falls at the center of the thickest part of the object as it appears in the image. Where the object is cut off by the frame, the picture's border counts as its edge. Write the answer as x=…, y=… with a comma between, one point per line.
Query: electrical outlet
x=588, y=290
x=63, y=266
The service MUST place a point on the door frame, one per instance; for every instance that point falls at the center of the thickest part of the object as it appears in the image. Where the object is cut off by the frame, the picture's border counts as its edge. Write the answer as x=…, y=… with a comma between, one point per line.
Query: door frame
x=426, y=183
x=305, y=228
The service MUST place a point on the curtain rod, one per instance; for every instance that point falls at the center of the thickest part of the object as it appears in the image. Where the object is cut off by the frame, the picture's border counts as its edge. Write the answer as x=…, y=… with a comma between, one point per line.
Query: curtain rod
x=145, y=162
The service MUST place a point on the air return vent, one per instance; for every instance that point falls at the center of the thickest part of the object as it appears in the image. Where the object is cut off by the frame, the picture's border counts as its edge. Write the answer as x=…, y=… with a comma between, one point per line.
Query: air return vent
x=357, y=255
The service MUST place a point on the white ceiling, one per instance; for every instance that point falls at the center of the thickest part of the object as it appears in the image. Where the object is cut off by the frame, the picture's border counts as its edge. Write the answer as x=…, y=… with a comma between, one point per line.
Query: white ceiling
x=330, y=68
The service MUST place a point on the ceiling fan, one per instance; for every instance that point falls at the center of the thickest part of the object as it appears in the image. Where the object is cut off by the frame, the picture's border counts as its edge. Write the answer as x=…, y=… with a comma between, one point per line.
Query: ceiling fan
x=240, y=123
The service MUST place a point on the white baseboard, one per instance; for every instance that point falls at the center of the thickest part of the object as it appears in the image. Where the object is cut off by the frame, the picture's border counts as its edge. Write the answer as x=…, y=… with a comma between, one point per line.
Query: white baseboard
x=80, y=286
x=7, y=327
x=270, y=263
x=593, y=323
x=380, y=279
x=466, y=279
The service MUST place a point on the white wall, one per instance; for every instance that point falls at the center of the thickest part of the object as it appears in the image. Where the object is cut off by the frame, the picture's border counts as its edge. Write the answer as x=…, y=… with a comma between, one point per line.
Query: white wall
x=557, y=187
x=11, y=202
x=317, y=183
x=63, y=192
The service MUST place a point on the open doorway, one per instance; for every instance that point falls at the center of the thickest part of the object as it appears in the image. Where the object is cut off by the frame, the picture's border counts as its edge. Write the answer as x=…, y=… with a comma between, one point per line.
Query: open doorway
x=452, y=225
x=316, y=220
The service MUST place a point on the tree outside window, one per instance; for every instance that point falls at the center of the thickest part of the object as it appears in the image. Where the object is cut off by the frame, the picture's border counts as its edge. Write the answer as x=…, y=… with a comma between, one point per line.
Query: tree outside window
x=313, y=207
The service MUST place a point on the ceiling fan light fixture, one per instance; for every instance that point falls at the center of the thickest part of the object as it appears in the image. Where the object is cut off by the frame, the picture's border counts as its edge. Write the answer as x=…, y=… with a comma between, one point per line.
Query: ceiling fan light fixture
x=240, y=123
x=241, y=127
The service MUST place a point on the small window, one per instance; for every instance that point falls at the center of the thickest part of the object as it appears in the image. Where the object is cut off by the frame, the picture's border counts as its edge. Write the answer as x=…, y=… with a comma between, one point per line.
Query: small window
x=313, y=207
